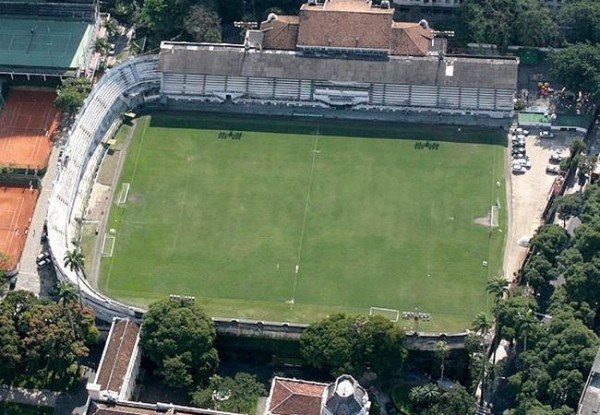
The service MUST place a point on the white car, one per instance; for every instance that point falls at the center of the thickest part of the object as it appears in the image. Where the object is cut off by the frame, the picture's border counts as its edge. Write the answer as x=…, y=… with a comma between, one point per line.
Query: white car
x=518, y=168
x=525, y=162
x=546, y=134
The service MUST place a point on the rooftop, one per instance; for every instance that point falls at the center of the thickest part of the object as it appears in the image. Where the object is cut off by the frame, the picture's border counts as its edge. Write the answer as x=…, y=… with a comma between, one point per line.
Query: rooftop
x=117, y=354
x=293, y=397
x=206, y=59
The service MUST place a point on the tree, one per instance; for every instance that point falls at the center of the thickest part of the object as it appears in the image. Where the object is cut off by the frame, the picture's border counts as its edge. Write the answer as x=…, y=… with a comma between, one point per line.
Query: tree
x=442, y=351
x=577, y=67
x=568, y=206
x=102, y=45
x=352, y=345
x=242, y=392
x=425, y=396
x=534, y=24
x=178, y=337
x=456, y=401
x=65, y=292
x=71, y=94
x=549, y=241
x=506, y=22
x=580, y=21
x=497, y=287
x=40, y=345
x=203, y=24
x=75, y=261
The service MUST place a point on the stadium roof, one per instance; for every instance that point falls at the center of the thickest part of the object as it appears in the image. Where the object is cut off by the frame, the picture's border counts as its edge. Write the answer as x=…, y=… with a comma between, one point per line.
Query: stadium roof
x=195, y=58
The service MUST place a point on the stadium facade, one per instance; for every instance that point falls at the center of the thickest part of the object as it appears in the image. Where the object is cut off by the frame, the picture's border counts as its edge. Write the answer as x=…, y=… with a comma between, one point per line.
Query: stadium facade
x=341, y=54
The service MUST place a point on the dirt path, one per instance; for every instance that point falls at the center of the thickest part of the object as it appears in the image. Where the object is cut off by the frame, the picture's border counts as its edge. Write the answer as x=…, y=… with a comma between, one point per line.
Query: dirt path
x=528, y=193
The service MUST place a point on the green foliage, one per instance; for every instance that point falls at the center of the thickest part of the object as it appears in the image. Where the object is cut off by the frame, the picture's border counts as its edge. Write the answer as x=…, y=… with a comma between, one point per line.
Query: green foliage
x=577, y=67
x=102, y=45
x=568, y=205
x=178, y=337
x=242, y=392
x=509, y=22
x=549, y=240
x=580, y=20
x=203, y=24
x=344, y=344
x=71, y=94
x=41, y=342
x=497, y=286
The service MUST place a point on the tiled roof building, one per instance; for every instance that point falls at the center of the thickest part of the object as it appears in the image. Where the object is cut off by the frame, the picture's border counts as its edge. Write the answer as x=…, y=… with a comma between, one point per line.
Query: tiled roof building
x=348, y=26
x=299, y=397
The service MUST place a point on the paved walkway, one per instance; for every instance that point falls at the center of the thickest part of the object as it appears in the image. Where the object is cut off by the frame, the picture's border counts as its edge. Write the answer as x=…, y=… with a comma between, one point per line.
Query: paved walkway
x=29, y=277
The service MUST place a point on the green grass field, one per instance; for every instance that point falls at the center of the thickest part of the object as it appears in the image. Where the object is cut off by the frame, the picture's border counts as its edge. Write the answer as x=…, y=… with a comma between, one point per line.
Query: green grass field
x=368, y=219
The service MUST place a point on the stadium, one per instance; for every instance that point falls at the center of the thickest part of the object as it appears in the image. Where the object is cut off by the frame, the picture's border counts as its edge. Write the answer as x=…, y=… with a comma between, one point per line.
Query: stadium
x=404, y=75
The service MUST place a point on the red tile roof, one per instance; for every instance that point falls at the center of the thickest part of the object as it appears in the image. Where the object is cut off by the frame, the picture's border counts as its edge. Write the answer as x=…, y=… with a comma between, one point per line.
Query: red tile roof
x=117, y=355
x=295, y=397
x=345, y=28
x=410, y=39
x=281, y=33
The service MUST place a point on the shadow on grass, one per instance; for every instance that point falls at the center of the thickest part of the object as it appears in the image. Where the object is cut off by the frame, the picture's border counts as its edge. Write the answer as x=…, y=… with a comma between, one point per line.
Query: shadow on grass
x=331, y=127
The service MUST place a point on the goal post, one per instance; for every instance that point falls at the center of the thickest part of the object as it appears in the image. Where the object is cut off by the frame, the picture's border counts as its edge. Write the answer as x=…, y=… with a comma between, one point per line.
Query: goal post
x=390, y=313
x=108, y=245
x=122, y=199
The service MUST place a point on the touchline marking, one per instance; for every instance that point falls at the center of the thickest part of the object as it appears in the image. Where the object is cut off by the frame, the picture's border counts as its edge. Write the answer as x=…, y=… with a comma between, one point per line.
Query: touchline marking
x=310, y=179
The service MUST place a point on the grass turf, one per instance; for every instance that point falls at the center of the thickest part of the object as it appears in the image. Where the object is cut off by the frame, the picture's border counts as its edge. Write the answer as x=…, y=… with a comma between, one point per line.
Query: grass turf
x=369, y=221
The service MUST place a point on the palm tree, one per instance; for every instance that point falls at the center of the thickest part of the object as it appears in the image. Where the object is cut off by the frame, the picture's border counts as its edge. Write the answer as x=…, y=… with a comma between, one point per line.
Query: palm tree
x=482, y=325
x=497, y=286
x=66, y=292
x=442, y=350
x=424, y=396
x=527, y=322
x=75, y=261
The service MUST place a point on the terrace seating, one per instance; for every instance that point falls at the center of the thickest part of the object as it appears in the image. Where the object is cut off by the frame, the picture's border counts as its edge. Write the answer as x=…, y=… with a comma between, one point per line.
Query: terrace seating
x=83, y=154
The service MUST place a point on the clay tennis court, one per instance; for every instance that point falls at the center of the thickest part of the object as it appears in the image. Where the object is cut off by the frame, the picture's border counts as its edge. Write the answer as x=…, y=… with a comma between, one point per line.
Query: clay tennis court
x=16, y=209
x=27, y=124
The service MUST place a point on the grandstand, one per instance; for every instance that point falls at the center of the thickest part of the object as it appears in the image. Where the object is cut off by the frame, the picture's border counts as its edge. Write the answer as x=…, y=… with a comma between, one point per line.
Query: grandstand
x=120, y=89
x=46, y=38
x=341, y=54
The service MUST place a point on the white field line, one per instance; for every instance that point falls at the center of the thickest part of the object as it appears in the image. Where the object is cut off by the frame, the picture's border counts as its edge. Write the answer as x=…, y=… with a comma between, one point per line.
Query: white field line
x=310, y=179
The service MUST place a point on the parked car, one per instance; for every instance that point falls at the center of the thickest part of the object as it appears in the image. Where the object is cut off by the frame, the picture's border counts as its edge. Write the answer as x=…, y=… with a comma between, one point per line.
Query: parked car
x=546, y=134
x=518, y=169
x=556, y=157
x=42, y=256
x=552, y=169
x=111, y=49
x=519, y=152
x=523, y=161
x=44, y=263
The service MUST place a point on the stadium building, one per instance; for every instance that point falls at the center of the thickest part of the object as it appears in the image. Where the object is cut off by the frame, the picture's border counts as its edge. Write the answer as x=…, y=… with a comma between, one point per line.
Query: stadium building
x=347, y=55
x=339, y=58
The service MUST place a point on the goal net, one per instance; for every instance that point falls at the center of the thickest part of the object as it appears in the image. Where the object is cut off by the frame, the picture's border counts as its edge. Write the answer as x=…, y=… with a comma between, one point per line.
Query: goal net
x=389, y=313
x=108, y=245
x=123, y=194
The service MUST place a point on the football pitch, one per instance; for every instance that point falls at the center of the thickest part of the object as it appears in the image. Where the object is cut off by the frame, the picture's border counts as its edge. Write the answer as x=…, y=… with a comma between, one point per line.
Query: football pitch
x=294, y=219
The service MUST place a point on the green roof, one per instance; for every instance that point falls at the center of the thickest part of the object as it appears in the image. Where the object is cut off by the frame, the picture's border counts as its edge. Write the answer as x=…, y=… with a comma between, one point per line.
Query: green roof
x=43, y=43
